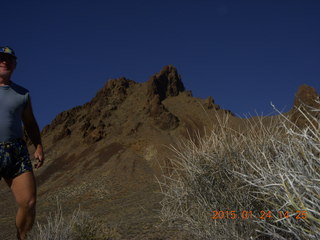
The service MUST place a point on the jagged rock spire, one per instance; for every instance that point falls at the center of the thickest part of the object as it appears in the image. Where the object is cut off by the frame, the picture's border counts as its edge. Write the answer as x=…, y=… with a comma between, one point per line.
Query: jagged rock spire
x=165, y=83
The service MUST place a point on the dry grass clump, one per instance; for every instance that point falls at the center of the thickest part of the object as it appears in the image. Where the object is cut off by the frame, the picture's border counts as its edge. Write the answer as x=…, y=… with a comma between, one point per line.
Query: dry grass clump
x=79, y=226
x=289, y=180
x=266, y=167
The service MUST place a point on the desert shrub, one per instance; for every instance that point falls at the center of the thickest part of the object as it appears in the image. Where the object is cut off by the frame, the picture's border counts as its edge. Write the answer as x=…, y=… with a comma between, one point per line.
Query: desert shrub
x=264, y=167
x=78, y=226
x=289, y=180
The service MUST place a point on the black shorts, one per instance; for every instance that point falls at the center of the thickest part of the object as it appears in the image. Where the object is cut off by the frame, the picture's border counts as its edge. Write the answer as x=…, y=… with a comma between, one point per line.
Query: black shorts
x=14, y=159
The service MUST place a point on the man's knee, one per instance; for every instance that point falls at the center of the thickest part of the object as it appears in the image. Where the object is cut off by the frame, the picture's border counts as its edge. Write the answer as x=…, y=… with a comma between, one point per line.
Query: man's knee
x=27, y=204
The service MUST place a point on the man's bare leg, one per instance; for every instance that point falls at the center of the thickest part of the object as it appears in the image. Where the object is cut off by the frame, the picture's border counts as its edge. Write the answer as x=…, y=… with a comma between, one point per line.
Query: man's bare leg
x=23, y=188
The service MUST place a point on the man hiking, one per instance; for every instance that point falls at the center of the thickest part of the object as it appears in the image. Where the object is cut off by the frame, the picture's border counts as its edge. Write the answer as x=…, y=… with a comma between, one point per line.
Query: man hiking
x=15, y=164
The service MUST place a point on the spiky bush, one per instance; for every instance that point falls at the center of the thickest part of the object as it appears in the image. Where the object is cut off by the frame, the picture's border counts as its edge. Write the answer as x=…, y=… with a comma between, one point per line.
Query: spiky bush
x=263, y=167
x=289, y=179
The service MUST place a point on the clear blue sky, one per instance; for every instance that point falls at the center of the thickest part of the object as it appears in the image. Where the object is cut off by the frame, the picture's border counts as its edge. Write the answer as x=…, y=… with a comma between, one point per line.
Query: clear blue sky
x=243, y=53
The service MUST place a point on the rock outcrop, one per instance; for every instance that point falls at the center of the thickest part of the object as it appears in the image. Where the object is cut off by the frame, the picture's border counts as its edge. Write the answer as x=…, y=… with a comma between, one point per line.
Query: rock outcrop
x=306, y=103
x=165, y=83
x=114, y=92
x=306, y=96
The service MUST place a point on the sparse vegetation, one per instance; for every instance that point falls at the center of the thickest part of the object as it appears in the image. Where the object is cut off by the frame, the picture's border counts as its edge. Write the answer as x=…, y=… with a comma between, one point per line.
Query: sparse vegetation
x=79, y=226
x=265, y=180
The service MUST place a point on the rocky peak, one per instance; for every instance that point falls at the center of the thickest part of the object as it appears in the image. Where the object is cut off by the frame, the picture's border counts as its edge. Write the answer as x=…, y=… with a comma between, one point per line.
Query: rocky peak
x=165, y=83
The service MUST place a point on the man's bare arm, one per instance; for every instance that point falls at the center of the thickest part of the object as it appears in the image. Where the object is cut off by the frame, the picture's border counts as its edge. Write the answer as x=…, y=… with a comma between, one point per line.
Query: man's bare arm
x=33, y=131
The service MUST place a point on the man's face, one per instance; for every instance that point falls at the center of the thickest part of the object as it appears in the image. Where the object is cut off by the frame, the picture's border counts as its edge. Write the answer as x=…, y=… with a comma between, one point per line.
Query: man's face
x=7, y=65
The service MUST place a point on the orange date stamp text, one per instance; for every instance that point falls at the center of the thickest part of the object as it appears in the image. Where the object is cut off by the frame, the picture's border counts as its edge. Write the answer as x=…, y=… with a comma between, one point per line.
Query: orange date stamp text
x=263, y=214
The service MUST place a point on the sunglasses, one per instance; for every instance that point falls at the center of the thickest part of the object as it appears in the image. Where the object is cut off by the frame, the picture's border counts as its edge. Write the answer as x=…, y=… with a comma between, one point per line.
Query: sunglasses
x=7, y=58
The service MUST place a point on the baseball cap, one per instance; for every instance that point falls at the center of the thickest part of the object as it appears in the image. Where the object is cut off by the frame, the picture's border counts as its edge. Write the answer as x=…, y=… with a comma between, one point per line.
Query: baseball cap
x=7, y=50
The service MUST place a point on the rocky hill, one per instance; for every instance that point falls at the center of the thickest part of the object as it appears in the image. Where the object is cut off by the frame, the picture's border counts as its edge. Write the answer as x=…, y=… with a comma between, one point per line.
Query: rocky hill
x=107, y=154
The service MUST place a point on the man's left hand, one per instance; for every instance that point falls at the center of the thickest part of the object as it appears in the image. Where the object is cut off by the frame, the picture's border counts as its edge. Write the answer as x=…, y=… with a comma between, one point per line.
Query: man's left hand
x=39, y=156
